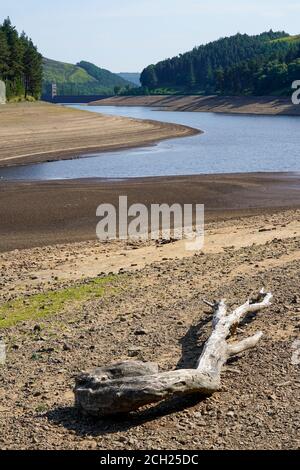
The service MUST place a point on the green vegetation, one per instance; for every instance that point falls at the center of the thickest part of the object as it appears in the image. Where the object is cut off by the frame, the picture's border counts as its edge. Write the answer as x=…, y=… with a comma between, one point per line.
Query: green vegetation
x=295, y=38
x=62, y=72
x=49, y=303
x=27, y=75
x=265, y=64
x=83, y=78
x=20, y=64
x=106, y=78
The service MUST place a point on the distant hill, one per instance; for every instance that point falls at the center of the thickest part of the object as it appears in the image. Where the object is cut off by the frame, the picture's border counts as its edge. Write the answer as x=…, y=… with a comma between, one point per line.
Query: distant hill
x=133, y=77
x=264, y=64
x=83, y=78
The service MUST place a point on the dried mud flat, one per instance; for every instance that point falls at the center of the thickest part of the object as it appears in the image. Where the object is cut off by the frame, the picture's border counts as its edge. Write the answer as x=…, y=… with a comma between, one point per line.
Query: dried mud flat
x=155, y=313
x=59, y=212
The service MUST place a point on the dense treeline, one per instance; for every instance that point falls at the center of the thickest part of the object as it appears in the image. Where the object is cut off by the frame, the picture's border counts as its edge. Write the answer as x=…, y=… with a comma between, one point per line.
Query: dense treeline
x=240, y=64
x=20, y=63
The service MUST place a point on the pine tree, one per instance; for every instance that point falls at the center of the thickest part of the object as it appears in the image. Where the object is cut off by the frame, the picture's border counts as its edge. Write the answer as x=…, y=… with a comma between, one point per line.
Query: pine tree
x=15, y=50
x=20, y=62
x=191, y=78
x=4, y=56
x=33, y=72
x=220, y=79
x=148, y=77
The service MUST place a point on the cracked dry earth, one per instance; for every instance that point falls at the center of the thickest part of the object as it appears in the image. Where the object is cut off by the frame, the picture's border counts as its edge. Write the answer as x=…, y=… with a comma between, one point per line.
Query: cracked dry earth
x=156, y=314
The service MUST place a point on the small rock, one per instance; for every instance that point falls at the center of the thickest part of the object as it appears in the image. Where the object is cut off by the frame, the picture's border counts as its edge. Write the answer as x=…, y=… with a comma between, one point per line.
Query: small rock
x=93, y=445
x=137, y=316
x=2, y=353
x=134, y=351
x=140, y=332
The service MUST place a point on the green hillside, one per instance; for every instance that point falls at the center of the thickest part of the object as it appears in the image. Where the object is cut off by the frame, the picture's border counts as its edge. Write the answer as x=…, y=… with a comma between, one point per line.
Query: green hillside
x=61, y=72
x=264, y=64
x=83, y=78
x=103, y=76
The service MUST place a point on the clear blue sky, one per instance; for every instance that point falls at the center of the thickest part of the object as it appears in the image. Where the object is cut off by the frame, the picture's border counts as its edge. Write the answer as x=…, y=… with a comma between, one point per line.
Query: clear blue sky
x=127, y=35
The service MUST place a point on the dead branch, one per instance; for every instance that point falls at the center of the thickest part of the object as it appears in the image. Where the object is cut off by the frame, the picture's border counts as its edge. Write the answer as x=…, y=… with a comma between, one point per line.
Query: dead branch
x=128, y=385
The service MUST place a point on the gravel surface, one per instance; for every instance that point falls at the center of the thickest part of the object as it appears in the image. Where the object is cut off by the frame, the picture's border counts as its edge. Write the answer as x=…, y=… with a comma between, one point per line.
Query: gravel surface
x=258, y=405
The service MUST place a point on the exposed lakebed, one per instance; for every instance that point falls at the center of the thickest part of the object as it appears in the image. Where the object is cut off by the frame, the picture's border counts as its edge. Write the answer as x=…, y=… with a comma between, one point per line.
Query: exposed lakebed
x=229, y=144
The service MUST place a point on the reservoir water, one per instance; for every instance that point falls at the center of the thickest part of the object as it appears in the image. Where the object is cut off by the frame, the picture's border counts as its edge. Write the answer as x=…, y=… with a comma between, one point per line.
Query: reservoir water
x=230, y=144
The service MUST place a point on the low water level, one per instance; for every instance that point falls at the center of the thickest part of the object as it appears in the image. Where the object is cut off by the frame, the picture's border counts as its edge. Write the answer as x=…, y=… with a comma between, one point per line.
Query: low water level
x=230, y=144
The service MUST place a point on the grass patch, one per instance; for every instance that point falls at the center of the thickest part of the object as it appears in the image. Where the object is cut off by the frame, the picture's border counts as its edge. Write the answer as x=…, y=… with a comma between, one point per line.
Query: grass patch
x=21, y=99
x=49, y=303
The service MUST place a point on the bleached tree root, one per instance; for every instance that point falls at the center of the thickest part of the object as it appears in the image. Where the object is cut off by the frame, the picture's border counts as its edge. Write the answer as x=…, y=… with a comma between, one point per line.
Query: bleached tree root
x=128, y=385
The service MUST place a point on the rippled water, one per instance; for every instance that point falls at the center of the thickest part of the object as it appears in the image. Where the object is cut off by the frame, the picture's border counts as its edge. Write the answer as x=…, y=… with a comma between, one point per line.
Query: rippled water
x=230, y=144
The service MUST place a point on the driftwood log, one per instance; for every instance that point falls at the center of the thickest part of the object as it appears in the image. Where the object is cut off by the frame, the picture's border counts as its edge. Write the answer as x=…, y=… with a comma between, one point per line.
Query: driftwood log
x=128, y=385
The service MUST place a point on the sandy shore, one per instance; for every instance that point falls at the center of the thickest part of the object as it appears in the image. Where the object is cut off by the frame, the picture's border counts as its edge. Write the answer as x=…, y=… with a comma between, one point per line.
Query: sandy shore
x=43, y=213
x=31, y=270
x=36, y=132
x=216, y=104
